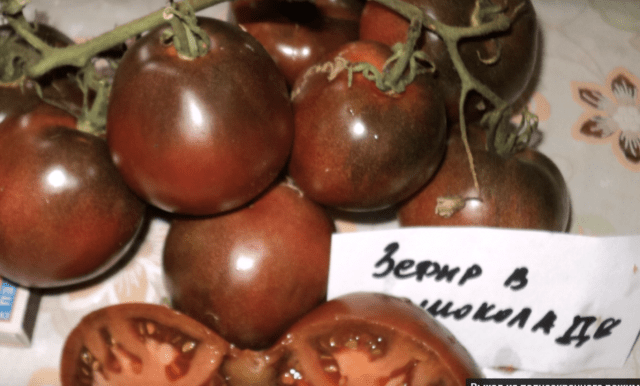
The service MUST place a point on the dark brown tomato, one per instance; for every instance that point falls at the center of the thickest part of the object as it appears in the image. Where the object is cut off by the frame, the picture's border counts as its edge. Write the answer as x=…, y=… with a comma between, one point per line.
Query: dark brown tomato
x=505, y=61
x=525, y=190
x=63, y=96
x=299, y=33
x=15, y=101
x=65, y=93
x=199, y=136
x=66, y=216
x=137, y=344
x=249, y=274
x=362, y=339
x=357, y=148
x=27, y=111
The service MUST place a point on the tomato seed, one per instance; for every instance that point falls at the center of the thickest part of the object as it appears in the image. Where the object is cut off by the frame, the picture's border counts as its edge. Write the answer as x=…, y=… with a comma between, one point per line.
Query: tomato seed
x=86, y=357
x=188, y=346
x=151, y=328
x=351, y=343
x=331, y=369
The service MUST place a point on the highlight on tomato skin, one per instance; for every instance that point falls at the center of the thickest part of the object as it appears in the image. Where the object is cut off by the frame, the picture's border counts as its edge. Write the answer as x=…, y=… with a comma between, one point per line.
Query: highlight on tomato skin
x=249, y=274
x=356, y=147
x=199, y=136
x=298, y=33
x=66, y=216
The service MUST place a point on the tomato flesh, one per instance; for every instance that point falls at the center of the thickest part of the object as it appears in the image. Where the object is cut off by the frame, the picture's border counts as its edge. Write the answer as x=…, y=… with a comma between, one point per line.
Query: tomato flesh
x=374, y=339
x=359, y=339
x=141, y=344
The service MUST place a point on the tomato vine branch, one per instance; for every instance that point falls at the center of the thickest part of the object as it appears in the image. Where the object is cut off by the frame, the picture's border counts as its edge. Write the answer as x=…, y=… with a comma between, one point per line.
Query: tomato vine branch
x=487, y=18
x=190, y=41
x=401, y=68
x=12, y=7
x=80, y=54
x=405, y=56
x=28, y=33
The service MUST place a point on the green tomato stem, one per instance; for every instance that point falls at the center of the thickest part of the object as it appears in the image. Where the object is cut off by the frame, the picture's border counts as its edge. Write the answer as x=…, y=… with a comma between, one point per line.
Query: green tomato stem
x=80, y=54
x=488, y=19
x=399, y=67
x=12, y=7
x=188, y=38
x=27, y=32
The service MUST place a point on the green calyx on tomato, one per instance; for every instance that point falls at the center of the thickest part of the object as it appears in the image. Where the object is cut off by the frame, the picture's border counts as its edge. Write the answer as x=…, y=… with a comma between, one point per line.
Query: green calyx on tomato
x=188, y=38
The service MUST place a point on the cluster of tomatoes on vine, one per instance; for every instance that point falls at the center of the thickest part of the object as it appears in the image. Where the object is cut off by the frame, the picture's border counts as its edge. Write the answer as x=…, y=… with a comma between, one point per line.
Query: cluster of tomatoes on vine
x=252, y=136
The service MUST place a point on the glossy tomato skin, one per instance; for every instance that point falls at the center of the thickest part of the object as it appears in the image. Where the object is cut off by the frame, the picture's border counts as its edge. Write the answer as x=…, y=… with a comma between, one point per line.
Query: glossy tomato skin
x=199, y=136
x=517, y=48
x=20, y=103
x=138, y=344
x=16, y=100
x=299, y=33
x=526, y=191
x=66, y=216
x=366, y=339
x=249, y=274
x=357, y=148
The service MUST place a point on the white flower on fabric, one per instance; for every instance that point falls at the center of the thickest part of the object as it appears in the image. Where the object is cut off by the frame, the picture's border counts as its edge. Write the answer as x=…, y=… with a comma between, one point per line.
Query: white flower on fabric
x=612, y=115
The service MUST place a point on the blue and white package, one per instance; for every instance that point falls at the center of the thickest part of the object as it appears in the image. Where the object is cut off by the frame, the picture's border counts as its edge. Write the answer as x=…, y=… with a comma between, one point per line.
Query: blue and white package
x=18, y=310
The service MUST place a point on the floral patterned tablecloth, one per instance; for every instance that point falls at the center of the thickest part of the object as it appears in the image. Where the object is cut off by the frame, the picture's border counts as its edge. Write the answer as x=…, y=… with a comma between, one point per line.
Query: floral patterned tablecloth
x=586, y=96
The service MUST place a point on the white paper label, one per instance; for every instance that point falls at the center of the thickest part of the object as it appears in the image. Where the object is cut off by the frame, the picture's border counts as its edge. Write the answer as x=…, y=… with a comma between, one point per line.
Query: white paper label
x=538, y=301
